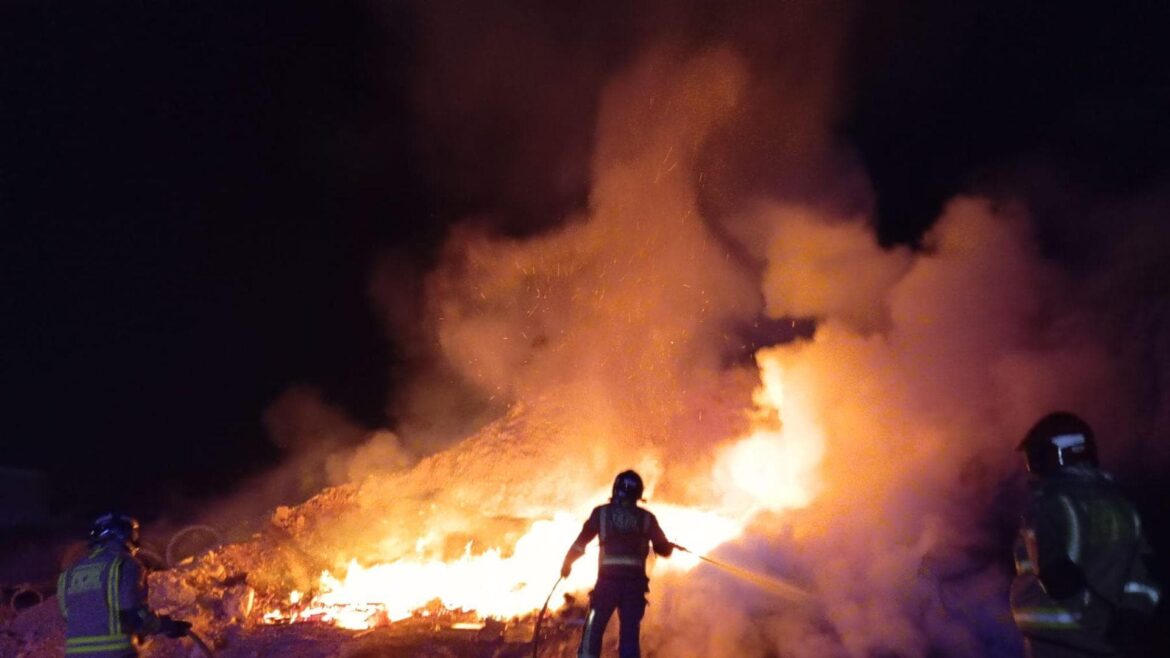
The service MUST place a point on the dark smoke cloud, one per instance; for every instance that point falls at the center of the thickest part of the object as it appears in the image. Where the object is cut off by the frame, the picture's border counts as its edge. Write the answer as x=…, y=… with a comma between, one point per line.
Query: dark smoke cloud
x=507, y=97
x=321, y=446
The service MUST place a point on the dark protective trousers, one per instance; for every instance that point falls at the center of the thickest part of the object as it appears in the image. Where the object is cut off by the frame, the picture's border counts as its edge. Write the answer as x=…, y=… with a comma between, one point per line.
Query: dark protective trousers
x=628, y=597
x=1037, y=648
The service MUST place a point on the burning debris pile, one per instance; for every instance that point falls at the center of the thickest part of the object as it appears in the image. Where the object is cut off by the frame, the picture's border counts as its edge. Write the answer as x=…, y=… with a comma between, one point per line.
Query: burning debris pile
x=861, y=462
x=399, y=551
x=466, y=565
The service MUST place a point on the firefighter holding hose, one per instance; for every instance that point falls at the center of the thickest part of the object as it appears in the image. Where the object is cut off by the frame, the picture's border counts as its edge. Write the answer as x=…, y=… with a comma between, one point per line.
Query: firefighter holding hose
x=626, y=532
x=1082, y=585
x=103, y=596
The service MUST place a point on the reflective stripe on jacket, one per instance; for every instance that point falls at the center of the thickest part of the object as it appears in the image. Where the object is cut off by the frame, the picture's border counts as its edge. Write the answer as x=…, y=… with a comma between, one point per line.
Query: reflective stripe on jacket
x=1032, y=609
x=625, y=533
x=1078, y=520
x=93, y=594
x=1039, y=618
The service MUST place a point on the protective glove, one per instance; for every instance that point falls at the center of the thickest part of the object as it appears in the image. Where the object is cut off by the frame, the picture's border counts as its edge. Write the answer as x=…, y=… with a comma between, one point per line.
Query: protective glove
x=173, y=628
x=566, y=569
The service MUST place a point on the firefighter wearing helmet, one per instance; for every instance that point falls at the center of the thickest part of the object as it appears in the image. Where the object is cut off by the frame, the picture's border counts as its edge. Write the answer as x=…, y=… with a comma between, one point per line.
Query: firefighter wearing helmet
x=103, y=596
x=626, y=532
x=1082, y=585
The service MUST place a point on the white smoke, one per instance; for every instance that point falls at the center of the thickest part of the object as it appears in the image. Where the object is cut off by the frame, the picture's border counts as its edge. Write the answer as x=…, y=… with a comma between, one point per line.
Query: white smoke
x=921, y=416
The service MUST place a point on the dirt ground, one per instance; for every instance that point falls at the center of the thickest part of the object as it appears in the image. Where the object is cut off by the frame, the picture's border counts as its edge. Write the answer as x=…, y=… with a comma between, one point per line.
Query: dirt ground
x=39, y=632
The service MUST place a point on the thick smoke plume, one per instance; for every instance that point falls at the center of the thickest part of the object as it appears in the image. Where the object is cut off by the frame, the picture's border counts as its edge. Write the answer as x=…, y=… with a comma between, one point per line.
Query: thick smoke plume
x=609, y=338
x=920, y=417
x=925, y=368
x=321, y=446
x=629, y=308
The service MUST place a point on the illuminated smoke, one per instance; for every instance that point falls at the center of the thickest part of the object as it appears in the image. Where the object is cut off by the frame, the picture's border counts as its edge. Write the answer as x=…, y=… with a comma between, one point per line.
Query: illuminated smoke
x=924, y=370
x=627, y=309
x=607, y=339
x=921, y=418
x=325, y=446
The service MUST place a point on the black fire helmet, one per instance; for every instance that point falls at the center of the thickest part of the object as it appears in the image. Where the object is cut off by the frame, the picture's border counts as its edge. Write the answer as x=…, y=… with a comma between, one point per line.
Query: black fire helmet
x=1059, y=440
x=627, y=486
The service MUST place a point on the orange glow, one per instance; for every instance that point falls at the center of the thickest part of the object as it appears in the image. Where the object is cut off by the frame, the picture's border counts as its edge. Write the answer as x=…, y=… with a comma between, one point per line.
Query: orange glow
x=774, y=468
x=771, y=469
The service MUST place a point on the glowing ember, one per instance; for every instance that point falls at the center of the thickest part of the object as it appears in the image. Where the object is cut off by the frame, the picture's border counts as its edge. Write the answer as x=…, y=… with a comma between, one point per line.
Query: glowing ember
x=771, y=469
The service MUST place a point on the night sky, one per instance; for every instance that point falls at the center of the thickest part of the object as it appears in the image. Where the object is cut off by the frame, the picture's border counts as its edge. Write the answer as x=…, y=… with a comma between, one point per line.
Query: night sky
x=193, y=195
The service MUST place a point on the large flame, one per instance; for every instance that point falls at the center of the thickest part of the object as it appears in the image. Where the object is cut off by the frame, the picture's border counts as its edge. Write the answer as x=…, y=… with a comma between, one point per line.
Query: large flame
x=771, y=469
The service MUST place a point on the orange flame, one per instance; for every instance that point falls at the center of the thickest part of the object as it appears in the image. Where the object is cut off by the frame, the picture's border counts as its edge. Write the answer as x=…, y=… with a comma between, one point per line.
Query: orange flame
x=771, y=469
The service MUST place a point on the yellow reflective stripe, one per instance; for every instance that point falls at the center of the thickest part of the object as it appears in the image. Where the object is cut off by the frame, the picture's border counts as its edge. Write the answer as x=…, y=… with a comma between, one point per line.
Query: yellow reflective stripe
x=117, y=589
x=112, y=596
x=61, y=594
x=94, y=648
x=1045, y=618
x=95, y=643
x=96, y=639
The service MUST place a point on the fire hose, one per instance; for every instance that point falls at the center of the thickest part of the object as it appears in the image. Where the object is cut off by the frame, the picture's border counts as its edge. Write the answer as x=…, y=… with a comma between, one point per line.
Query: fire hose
x=540, y=618
x=198, y=641
x=764, y=581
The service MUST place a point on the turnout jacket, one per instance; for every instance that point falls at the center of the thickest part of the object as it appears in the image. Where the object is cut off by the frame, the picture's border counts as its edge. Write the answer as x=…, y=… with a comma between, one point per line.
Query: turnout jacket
x=1081, y=562
x=103, y=598
x=625, y=533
